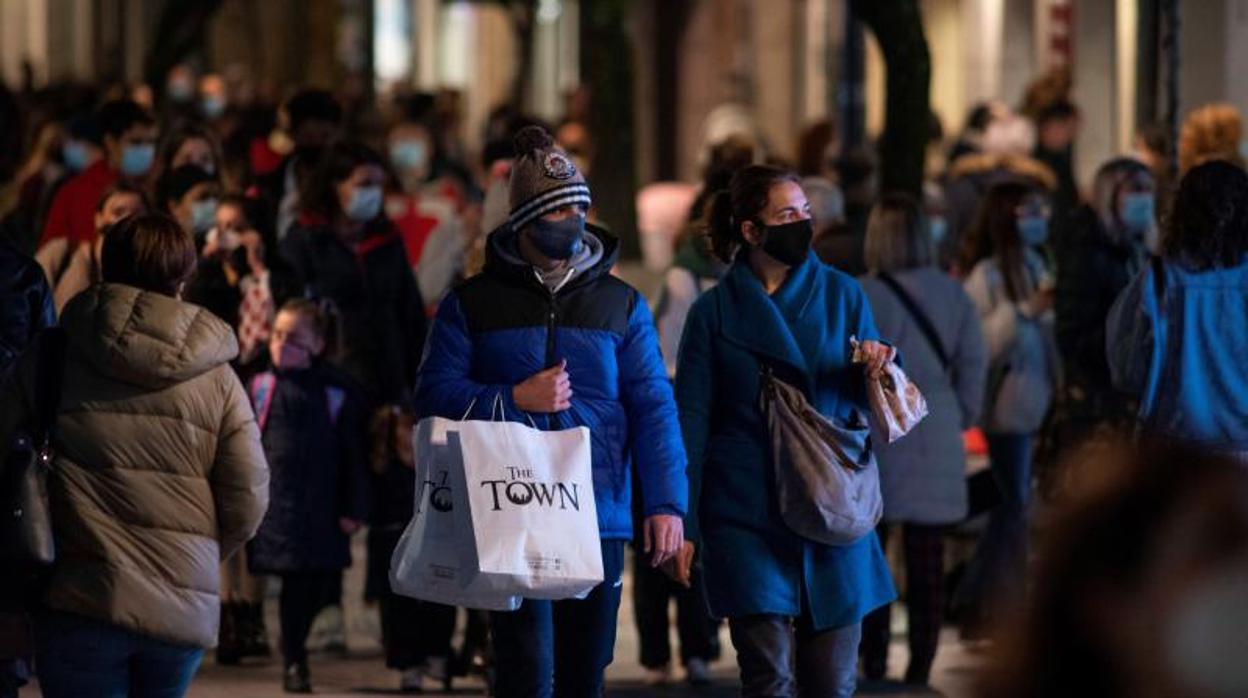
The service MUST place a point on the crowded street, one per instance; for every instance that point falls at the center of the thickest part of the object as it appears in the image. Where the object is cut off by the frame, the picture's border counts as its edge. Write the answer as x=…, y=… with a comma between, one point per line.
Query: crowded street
x=581, y=348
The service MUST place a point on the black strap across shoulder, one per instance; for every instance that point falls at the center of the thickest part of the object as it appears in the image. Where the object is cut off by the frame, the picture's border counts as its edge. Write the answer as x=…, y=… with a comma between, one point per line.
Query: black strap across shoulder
x=925, y=325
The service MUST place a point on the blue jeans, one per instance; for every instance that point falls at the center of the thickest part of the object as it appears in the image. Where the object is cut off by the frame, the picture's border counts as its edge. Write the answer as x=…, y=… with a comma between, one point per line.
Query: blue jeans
x=76, y=656
x=560, y=648
x=997, y=572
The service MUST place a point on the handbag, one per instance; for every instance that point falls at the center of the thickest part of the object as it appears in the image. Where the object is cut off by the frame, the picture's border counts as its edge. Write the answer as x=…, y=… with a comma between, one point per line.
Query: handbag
x=826, y=474
x=27, y=549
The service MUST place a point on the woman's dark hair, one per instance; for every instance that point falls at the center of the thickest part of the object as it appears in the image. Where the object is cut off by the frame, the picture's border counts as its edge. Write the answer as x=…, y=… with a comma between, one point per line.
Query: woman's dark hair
x=175, y=184
x=149, y=251
x=995, y=234
x=1100, y=542
x=172, y=142
x=1208, y=226
x=743, y=200
x=320, y=194
x=898, y=237
x=121, y=186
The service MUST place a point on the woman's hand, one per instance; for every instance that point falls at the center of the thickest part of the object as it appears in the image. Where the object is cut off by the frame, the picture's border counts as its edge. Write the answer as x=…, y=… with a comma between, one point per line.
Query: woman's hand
x=875, y=357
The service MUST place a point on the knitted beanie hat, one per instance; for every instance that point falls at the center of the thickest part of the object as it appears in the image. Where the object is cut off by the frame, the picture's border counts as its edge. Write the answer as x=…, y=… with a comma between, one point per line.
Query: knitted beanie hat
x=543, y=178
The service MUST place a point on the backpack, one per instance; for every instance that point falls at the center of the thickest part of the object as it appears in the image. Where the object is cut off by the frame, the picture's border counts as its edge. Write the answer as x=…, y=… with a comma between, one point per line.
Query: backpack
x=263, y=386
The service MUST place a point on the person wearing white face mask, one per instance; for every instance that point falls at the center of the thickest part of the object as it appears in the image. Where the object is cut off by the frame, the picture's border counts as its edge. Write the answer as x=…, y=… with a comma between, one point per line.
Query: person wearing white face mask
x=1106, y=245
x=344, y=249
x=427, y=218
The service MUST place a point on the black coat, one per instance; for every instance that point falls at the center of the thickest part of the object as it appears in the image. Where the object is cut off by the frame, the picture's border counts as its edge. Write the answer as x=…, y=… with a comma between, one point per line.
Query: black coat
x=380, y=312
x=25, y=303
x=317, y=474
x=1092, y=269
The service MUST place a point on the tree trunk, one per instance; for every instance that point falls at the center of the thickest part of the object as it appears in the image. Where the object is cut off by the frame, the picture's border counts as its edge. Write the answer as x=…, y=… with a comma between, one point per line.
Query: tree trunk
x=898, y=27
x=607, y=68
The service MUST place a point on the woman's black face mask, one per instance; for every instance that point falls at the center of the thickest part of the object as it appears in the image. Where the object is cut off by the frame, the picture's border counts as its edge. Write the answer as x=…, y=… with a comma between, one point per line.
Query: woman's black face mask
x=788, y=243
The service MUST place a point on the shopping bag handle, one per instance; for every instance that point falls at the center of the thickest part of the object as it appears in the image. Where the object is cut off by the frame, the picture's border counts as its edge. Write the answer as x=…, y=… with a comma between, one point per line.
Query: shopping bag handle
x=498, y=411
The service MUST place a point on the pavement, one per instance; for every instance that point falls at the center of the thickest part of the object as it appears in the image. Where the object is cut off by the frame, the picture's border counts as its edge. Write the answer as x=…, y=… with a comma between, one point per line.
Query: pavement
x=362, y=672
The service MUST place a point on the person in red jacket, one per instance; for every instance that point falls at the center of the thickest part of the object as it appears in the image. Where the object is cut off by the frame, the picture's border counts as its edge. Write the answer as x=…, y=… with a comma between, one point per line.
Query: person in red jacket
x=129, y=147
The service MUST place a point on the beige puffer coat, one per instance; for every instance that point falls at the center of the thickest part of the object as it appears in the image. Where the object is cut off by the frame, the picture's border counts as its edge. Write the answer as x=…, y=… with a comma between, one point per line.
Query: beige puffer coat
x=159, y=471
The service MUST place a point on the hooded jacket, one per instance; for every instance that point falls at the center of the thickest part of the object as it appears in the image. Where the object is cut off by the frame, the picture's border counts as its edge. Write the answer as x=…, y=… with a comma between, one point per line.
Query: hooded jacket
x=499, y=328
x=158, y=472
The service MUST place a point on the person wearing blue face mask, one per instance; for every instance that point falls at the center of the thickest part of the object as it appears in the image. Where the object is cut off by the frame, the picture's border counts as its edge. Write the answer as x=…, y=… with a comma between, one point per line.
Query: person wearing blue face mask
x=129, y=138
x=548, y=331
x=1012, y=290
x=189, y=194
x=1105, y=247
x=424, y=211
x=344, y=249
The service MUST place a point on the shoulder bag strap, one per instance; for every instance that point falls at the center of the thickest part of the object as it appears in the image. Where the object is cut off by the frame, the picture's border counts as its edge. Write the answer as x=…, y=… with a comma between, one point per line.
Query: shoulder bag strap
x=925, y=325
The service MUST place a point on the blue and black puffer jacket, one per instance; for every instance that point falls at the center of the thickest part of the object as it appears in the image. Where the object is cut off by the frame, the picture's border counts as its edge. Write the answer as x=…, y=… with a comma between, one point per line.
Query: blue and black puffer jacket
x=502, y=326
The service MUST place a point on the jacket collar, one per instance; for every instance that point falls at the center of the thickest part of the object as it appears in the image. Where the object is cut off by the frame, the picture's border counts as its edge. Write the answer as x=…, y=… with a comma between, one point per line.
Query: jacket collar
x=502, y=260
x=761, y=324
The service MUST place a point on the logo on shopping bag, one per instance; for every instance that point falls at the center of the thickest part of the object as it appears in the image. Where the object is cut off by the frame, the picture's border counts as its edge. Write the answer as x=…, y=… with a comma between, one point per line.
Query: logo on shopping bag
x=439, y=494
x=520, y=489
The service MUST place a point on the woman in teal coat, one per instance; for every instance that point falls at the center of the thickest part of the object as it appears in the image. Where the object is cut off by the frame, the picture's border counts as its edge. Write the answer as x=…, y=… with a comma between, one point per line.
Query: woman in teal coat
x=788, y=600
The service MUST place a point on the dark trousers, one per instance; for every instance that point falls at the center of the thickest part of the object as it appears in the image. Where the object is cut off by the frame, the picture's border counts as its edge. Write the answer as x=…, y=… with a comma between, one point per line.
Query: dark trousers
x=652, y=592
x=782, y=657
x=924, y=553
x=996, y=574
x=412, y=630
x=303, y=596
x=77, y=656
x=560, y=648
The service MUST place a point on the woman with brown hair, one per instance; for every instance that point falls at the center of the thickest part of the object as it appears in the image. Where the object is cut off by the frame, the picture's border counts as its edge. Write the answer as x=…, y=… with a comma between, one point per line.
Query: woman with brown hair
x=158, y=472
x=1013, y=292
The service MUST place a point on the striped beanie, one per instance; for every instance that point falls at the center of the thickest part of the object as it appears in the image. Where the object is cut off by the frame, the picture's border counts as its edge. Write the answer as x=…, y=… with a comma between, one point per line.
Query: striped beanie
x=543, y=178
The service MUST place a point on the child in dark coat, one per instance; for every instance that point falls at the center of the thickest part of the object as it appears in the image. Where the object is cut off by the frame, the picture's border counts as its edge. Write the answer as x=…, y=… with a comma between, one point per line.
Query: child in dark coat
x=315, y=438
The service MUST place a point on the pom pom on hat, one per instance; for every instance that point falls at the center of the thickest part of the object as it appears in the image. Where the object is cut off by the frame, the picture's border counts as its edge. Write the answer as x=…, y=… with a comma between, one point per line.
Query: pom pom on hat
x=532, y=138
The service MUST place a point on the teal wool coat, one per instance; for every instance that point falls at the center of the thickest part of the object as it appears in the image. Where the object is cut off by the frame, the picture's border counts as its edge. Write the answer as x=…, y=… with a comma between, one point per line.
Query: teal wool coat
x=753, y=563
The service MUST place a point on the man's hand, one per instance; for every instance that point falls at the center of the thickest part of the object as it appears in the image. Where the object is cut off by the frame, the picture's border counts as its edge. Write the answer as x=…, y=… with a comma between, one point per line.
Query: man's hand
x=680, y=568
x=664, y=537
x=545, y=393
x=877, y=356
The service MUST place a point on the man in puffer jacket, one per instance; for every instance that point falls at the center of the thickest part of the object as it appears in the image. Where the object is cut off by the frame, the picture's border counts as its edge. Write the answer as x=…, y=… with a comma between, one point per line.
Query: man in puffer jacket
x=158, y=473
x=548, y=331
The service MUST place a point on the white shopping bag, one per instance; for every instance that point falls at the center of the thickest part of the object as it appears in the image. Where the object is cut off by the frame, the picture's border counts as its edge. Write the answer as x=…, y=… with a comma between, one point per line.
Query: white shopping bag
x=531, y=499
x=426, y=562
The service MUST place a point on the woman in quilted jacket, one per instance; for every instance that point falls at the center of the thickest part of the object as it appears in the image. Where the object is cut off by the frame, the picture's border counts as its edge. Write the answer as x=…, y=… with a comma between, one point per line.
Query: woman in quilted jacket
x=158, y=473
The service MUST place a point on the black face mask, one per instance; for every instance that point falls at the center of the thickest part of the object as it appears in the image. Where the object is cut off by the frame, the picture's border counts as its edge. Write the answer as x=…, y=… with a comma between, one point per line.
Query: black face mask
x=558, y=239
x=789, y=243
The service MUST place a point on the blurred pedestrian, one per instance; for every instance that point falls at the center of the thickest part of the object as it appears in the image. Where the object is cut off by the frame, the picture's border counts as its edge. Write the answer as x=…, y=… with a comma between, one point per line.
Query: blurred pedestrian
x=158, y=473
x=313, y=120
x=314, y=434
x=130, y=144
x=344, y=250
x=1175, y=335
x=121, y=200
x=793, y=606
x=1212, y=132
x=1139, y=583
x=190, y=194
x=923, y=476
x=1106, y=247
x=1013, y=293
